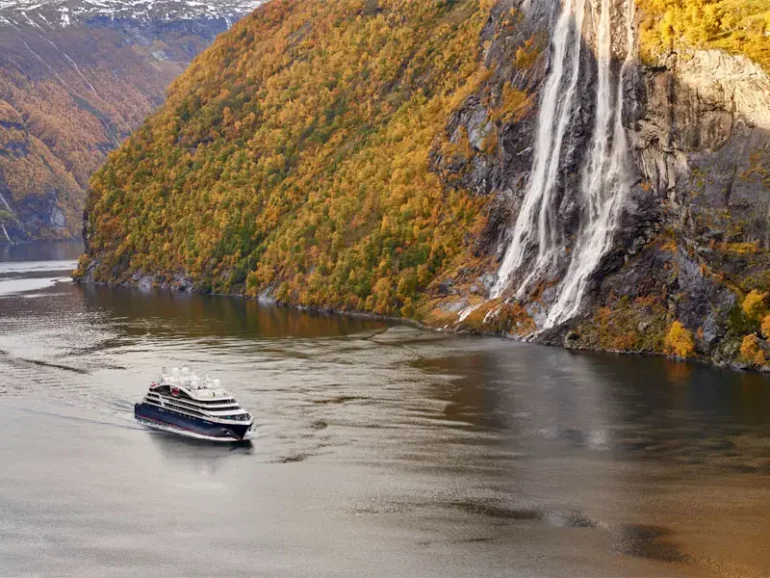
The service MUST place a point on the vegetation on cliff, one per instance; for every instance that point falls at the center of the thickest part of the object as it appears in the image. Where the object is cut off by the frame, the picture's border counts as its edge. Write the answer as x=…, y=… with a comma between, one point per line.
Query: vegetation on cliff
x=737, y=26
x=293, y=157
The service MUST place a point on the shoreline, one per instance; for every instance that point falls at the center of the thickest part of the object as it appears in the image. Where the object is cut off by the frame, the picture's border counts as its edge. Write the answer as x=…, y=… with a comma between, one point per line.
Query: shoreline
x=187, y=288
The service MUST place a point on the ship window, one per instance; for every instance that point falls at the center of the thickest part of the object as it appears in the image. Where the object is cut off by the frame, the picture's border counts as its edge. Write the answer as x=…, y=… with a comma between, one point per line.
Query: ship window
x=238, y=417
x=180, y=407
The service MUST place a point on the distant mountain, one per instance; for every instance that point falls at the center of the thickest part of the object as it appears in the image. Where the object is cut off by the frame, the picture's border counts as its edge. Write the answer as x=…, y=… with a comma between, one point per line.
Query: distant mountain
x=76, y=76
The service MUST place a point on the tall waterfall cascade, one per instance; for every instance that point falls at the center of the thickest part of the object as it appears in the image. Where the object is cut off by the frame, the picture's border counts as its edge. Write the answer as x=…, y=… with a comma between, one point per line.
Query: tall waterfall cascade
x=536, y=243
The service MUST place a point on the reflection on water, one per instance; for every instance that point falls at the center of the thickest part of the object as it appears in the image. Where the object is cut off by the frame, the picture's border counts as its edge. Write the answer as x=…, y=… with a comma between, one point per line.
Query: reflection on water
x=382, y=449
x=197, y=454
x=192, y=315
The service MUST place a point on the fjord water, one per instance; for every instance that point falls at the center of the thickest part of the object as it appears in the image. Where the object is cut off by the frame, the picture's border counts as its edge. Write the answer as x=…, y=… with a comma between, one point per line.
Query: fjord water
x=383, y=450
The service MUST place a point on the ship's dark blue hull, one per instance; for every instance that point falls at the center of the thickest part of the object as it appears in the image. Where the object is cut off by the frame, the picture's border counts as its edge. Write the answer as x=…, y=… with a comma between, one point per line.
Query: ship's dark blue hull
x=195, y=425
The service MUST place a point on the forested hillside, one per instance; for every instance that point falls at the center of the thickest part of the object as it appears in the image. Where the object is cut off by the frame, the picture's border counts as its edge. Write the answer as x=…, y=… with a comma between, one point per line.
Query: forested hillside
x=737, y=26
x=294, y=156
x=75, y=79
x=591, y=173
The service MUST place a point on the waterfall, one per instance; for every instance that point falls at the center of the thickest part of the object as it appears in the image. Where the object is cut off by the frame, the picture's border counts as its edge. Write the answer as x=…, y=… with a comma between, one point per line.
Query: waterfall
x=604, y=183
x=11, y=214
x=536, y=220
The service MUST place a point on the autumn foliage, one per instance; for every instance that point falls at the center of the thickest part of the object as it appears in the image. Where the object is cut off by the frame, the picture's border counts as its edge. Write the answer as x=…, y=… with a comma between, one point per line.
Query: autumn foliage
x=67, y=96
x=755, y=305
x=737, y=26
x=293, y=158
x=755, y=351
x=679, y=341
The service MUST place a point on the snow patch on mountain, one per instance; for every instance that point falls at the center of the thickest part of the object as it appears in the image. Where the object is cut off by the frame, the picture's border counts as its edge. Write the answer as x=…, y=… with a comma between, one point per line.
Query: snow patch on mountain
x=64, y=13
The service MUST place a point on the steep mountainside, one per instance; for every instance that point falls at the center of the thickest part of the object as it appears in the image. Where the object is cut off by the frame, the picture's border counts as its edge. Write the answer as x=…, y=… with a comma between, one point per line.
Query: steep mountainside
x=592, y=173
x=75, y=78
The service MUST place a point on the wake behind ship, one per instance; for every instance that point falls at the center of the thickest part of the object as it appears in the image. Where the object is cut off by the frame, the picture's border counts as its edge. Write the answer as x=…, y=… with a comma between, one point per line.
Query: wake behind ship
x=184, y=403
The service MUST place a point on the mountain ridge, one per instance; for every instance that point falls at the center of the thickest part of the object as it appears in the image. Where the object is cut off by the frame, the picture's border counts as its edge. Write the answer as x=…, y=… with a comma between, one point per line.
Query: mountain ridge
x=65, y=13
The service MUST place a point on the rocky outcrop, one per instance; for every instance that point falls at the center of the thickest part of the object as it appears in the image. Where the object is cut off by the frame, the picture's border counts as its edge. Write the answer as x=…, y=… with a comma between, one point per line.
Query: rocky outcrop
x=702, y=142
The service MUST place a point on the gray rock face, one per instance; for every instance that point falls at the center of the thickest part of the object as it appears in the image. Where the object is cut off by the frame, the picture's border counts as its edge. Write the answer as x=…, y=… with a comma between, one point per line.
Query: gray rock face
x=705, y=131
x=702, y=142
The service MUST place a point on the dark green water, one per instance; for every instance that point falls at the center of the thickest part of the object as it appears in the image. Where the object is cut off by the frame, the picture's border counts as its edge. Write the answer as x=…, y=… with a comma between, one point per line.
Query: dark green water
x=382, y=450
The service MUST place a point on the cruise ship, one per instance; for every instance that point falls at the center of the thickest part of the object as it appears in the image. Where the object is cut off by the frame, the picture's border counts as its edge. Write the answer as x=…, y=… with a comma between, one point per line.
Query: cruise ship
x=184, y=403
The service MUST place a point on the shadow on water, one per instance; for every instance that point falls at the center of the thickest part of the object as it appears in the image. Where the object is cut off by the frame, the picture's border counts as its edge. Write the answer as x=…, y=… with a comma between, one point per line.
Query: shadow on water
x=470, y=397
x=645, y=541
x=648, y=407
x=687, y=388
x=42, y=251
x=21, y=361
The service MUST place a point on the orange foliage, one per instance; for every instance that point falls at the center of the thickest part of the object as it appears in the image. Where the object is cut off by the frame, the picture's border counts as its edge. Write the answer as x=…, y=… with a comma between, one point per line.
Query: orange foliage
x=755, y=304
x=752, y=351
x=293, y=157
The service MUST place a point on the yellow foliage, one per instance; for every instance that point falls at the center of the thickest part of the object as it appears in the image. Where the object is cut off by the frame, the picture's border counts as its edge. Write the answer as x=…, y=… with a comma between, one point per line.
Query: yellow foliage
x=668, y=245
x=294, y=157
x=765, y=327
x=737, y=26
x=679, y=341
x=754, y=305
x=752, y=352
x=527, y=54
x=514, y=105
x=741, y=248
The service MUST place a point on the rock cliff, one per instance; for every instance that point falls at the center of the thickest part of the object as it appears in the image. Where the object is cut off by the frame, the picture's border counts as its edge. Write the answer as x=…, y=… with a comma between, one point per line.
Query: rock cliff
x=702, y=146
x=691, y=242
